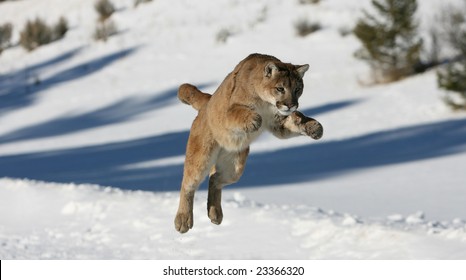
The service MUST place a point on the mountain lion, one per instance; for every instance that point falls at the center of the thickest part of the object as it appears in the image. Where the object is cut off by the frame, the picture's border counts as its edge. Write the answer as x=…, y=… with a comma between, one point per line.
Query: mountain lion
x=260, y=94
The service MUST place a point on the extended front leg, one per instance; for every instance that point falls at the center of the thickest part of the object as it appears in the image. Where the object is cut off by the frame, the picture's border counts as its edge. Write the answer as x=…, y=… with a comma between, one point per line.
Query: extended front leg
x=297, y=124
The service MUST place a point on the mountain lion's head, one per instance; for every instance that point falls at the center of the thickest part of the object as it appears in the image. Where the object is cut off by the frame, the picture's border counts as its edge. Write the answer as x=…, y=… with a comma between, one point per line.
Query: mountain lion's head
x=282, y=85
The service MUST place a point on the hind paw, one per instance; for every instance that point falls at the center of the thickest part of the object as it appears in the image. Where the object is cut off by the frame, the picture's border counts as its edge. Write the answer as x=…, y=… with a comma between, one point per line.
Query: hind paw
x=183, y=222
x=215, y=214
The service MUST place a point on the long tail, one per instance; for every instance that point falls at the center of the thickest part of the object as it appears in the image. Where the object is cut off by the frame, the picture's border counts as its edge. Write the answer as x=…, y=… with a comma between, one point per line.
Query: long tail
x=191, y=95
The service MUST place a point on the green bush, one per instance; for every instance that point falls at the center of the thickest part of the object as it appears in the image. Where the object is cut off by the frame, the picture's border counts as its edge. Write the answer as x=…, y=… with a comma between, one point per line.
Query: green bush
x=5, y=36
x=304, y=27
x=105, y=9
x=37, y=33
x=223, y=35
x=453, y=80
x=104, y=30
x=452, y=77
x=105, y=27
x=60, y=28
x=390, y=43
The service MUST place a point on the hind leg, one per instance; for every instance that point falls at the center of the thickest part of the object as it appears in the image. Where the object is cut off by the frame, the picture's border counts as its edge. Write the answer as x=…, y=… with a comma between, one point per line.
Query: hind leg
x=200, y=154
x=228, y=170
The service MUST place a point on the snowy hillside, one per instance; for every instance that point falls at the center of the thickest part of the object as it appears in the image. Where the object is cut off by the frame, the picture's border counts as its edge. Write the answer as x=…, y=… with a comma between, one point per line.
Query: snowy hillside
x=92, y=140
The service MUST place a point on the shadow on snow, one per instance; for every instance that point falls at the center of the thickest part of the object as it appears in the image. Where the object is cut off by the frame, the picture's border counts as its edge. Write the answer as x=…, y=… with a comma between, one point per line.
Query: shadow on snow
x=102, y=164
x=109, y=164
x=119, y=112
x=333, y=158
x=17, y=89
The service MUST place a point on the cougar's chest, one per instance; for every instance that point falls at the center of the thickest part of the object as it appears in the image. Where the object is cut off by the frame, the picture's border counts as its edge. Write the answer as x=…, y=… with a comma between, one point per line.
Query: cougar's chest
x=267, y=113
x=241, y=139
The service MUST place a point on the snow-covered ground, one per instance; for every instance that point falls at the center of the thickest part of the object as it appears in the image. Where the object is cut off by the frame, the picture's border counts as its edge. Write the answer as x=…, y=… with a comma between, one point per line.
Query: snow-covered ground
x=67, y=221
x=92, y=139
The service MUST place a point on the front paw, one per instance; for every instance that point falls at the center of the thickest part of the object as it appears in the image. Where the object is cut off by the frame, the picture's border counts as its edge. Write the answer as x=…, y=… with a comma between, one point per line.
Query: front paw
x=307, y=126
x=253, y=123
x=313, y=129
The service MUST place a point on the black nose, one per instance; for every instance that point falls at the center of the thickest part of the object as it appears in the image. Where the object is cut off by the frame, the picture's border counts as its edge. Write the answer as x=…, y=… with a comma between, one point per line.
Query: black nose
x=293, y=104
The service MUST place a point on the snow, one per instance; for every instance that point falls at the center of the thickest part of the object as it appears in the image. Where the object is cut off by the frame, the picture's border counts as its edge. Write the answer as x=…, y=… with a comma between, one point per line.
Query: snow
x=92, y=141
x=69, y=221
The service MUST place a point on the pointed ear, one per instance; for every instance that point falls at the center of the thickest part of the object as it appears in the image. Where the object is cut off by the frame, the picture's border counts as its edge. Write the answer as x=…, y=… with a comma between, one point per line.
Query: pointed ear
x=270, y=69
x=302, y=69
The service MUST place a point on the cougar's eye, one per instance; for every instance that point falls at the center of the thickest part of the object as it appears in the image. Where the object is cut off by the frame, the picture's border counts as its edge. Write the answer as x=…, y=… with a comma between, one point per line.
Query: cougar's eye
x=280, y=89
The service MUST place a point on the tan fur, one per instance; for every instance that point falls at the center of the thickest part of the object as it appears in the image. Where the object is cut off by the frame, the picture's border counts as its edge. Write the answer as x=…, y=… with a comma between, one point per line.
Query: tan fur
x=260, y=94
x=189, y=94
